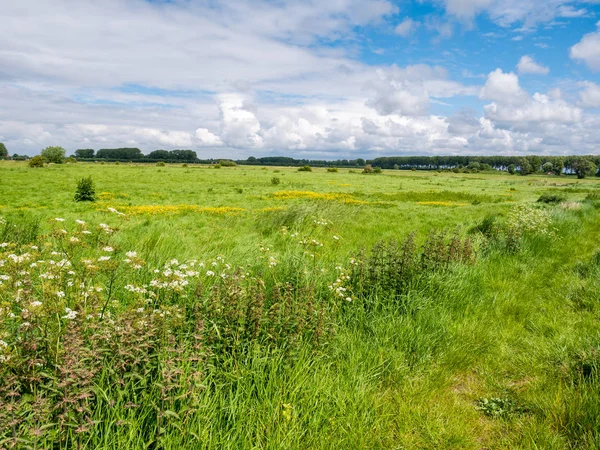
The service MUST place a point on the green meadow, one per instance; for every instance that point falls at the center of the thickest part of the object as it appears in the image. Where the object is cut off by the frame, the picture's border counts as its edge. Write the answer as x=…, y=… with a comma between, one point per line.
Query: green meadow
x=248, y=307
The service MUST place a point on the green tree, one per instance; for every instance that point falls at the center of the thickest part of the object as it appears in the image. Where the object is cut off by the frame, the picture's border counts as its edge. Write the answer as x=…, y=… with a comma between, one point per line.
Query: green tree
x=54, y=154
x=583, y=167
x=558, y=165
x=511, y=169
x=84, y=153
x=547, y=167
x=3, y=151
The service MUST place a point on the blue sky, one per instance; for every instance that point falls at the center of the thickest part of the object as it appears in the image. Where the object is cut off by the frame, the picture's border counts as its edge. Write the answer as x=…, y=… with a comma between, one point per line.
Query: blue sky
x=336, y=79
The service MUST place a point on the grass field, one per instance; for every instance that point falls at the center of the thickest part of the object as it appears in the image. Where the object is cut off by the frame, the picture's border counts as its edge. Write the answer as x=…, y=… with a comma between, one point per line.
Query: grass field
x=283, y=323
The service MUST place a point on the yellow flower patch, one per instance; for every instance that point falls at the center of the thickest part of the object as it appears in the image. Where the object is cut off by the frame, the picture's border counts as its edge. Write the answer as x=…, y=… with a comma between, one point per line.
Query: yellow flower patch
x=442, y=204
x=332, y=196
x=153, y=210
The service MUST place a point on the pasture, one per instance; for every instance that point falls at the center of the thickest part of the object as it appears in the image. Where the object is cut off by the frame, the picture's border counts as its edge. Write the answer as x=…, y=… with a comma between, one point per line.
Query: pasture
x=249, y=307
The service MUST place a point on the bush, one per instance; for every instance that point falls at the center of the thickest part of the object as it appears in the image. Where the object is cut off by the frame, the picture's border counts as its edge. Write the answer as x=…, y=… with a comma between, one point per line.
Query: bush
x=368, y=169
x=227, y=163
x=391, y=267
x=184, y=165
x=37, y=161
x=275, y=181
x=551, y=198
x=70, y=160
x=305, y=169
x=85, y=191
x=54, y=155
x=377, y=170
x=332, y=169
x=160, y=164
x=217, y=166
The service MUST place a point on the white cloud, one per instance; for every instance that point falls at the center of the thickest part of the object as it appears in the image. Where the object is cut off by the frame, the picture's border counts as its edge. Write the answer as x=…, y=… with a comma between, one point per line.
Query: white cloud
x=505, y=13
x=207, y=139
x=407, y=27
x=528, y=65
x=590, y=96
x=588, y=50
x=503, y=87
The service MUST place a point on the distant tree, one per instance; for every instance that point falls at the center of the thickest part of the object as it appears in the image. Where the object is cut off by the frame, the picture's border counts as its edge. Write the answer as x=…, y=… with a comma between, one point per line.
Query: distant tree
x=547, y=167
x=360, y=162
x=124, y=154
x=525, y=167
x=396, y=167
x=583, y=167
x=84, y=153
x=511, y=169
x=368, y=169
x=558, y=165
x=159, y=155
x=54, y=154
x=3, y=151
x=377, y=169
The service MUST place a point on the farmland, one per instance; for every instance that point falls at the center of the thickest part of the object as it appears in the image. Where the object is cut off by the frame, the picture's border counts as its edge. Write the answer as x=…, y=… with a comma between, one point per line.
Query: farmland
x=249, y=307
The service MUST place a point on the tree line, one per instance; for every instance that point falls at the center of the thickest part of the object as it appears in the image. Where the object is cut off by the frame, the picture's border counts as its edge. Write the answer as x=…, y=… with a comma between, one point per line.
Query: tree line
x=582, y=166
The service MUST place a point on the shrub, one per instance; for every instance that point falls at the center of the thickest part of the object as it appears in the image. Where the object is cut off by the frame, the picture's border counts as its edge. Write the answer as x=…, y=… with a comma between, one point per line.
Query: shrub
x=217, y=166
x=377, y=170
x=305, y=169
x=70, y=160
x=85, y=192
x=227, y=163
x=239, y=190
x=488, y=226
x=184, y=165
x=414, y=169
x=396, y=167
x=368, y=169
x=332, y=169
x=275, y=181
x=54, y=155
x=37, y=161
x=551, y=198
x=390, y=268
x=160, y=164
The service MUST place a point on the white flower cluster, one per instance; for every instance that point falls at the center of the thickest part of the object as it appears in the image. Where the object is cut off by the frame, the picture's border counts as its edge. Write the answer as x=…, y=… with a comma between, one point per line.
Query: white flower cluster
x=338, y=287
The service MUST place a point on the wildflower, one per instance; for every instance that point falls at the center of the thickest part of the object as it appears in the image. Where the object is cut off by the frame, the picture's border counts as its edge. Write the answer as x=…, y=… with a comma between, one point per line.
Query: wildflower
x=104, y=258
x=336, y=238
x=58, y=219
x=80, y=222
x=71, y=315
x=73, y=239
x=131, y=254
x=108, y=249
x=60, y=294
x=86, y=232
x=210, y=273
x=35, y=304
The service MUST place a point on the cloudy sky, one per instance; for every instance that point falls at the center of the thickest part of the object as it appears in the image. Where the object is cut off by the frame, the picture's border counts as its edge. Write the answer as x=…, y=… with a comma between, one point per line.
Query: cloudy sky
x=309, y=79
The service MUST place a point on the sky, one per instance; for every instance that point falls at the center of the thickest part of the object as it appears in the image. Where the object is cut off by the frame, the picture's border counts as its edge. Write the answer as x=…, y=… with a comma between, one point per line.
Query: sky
x=315, y=79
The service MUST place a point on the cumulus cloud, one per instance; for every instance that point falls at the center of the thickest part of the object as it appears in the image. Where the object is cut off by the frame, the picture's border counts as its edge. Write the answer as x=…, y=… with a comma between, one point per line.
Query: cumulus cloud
x=528, y=65
x=406, y=28
x=503, y=87
x=207, y=139
x=589, y=97
x=588, y=50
